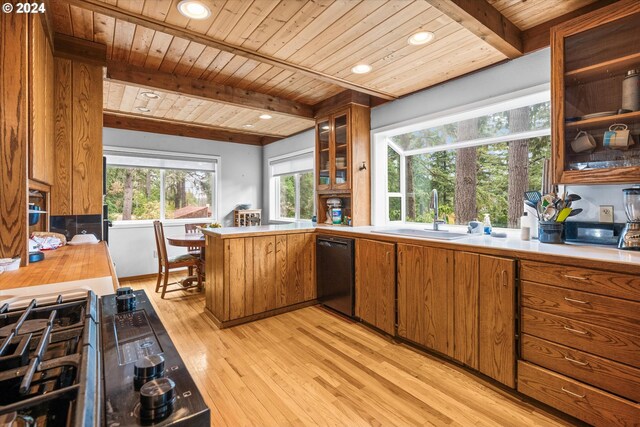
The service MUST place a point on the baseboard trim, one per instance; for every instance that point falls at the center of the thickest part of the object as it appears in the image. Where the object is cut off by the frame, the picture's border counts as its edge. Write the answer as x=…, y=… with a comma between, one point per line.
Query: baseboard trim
x=228, y=323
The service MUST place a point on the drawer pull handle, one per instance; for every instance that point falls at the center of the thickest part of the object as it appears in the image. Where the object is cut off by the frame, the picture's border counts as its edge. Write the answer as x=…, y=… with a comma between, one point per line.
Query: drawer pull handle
x=576, y=331
x=575, y=300
x=568, y=276
x=577, y=362
x=581, y=396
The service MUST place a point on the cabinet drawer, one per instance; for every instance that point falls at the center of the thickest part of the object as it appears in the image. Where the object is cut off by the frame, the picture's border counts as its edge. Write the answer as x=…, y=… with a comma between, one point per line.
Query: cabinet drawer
x=611, y=376
x=620, y=346
x=575, y=398
x=596, y=309
x=582, y=279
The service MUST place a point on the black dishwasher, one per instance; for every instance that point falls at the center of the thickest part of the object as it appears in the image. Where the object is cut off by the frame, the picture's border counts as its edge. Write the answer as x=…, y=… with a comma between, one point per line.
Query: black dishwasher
x=335, y=273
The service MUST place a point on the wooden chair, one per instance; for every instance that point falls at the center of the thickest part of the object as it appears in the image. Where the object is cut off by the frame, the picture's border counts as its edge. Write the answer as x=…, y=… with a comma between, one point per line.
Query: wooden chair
x=195, y=251
x=165, y=264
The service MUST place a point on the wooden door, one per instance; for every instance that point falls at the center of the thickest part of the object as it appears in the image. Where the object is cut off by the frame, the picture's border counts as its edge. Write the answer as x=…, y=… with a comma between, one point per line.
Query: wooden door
x=376, y=283
x=61, y=189
x=240, y=261
x=425, y=296
x=296, y=278
x=87, y=139
x=497, y=319
x=466, y=304
x=264, y=274
x=41, y=106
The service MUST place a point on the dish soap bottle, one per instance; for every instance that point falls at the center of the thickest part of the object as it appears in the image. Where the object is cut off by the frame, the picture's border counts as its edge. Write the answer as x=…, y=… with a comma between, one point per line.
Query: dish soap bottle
x=487, y=224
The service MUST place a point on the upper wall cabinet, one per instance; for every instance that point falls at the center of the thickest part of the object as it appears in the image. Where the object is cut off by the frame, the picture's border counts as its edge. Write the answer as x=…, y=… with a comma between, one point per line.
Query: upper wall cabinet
x=40, y=103
x=342, y=162
x=77, y=188
x=595, y=88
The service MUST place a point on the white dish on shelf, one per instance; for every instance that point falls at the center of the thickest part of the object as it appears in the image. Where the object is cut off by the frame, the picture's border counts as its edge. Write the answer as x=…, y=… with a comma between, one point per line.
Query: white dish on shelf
x=600, y=114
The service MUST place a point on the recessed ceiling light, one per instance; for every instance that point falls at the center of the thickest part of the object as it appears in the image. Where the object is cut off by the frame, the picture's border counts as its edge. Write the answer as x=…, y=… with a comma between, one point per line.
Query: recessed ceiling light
x=423, y=37
x=247, y=126
x=143, y=109
x=265, y=116
x=150, y=95
x=194, y=9
x=361, y=69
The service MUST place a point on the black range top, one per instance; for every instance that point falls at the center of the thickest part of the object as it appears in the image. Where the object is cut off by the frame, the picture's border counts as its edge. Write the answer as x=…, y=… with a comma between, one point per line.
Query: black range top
x=145, y=381
x=50, y=362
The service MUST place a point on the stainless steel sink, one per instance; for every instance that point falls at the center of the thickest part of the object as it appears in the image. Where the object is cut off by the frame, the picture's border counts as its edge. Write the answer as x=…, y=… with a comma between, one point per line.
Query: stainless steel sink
x=429, y=234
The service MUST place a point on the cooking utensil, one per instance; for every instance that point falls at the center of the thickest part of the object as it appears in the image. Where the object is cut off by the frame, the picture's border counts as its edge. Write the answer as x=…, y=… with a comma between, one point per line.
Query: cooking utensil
x=564, y=214
x=549, y=213
x=532, y=196
x=575, y=212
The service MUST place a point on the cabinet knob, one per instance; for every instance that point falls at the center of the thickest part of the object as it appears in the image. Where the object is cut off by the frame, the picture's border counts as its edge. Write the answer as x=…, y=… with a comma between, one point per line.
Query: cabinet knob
x=505, y=278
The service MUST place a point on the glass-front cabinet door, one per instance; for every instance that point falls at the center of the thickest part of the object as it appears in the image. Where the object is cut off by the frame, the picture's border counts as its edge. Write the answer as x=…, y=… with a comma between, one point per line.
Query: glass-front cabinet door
x=323, y=132
x=341, y=152
x=334, y=153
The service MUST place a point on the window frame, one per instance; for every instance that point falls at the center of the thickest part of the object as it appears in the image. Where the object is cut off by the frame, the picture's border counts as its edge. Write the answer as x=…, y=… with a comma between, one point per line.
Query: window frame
x=274, y=186
x=159, y=154
x=381, y=139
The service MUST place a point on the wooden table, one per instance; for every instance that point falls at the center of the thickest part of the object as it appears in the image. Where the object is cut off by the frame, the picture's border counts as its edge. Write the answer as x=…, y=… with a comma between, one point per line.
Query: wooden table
x=190, y=240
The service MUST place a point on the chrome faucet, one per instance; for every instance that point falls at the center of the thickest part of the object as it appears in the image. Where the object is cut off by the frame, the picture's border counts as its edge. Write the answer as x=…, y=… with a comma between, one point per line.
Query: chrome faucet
x=436, y=213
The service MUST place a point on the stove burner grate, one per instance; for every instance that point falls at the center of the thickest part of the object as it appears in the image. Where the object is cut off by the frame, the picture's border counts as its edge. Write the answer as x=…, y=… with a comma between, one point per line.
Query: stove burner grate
x=28, y=327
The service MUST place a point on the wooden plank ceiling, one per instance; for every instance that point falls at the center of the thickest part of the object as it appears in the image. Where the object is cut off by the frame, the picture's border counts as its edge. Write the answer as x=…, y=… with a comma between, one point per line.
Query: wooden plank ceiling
x=301, y=51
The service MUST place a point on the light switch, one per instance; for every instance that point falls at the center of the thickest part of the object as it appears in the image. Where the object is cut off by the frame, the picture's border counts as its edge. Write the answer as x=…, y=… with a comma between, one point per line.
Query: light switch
x=606, y=213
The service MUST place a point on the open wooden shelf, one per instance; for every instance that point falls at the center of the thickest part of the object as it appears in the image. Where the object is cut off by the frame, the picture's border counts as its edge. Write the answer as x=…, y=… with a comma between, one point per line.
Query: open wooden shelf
x=602, y=70
x=597, y=121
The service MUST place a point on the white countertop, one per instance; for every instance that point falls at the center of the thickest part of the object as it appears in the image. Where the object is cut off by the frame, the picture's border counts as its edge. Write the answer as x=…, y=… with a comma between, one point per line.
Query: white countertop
x=511, y=243
x=20, y=297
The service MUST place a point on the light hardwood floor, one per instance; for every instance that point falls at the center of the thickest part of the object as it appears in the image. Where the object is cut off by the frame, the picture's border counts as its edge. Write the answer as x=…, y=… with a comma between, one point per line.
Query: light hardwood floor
x=311, y=367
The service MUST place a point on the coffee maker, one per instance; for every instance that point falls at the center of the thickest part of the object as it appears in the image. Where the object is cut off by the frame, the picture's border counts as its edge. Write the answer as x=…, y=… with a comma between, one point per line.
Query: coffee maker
x=630, y=237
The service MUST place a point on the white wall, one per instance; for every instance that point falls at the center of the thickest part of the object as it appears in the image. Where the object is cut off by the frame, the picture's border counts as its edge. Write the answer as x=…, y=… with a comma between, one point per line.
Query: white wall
x=240, y=182
x=294, y=143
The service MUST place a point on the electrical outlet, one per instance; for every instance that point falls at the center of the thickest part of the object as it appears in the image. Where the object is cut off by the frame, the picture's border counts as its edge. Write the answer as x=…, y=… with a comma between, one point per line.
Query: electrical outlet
x=606, y=213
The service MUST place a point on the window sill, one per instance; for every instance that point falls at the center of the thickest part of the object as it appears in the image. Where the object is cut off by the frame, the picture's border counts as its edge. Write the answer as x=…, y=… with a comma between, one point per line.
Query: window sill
x=167, y=223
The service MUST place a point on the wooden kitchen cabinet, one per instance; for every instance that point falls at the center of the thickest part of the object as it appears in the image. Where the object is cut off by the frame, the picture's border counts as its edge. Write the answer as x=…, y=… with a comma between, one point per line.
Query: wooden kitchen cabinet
x=497, y=335
x=425, y=296
x=252, y=276
x=580, y=345
x=342, y=149
x=466, y=297
x=77, y=185
x=590, y=57
x=41, y=113
x=376, y=283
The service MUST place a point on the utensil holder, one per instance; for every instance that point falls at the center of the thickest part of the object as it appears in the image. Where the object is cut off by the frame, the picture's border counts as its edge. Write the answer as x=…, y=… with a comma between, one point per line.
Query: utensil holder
x=550, y=232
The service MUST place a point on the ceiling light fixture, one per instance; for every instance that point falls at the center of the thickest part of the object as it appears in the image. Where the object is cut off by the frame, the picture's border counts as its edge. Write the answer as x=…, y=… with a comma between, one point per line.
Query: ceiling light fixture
x=247, y=126
x=361, y=69
x=422, y=37
x=194, y=9
x=150, y=95
x=265, y=116
x=143, y=109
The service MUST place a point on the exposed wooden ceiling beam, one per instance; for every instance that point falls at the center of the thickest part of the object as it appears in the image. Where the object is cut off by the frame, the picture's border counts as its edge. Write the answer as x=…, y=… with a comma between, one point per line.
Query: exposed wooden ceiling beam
x=176, y=31
x=79, y=49
x=538, y=37
x=122, y=73
x=165, y=127
x=484, y=21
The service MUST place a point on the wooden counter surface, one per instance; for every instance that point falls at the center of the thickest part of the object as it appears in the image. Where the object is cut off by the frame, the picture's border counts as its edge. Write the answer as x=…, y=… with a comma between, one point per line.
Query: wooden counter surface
x=63, y=265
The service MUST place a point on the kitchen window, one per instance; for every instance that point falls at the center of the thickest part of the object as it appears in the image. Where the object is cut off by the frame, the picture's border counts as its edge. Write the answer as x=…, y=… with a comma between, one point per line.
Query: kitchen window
x=480, y=161
x=145, y=185
x=292, y=187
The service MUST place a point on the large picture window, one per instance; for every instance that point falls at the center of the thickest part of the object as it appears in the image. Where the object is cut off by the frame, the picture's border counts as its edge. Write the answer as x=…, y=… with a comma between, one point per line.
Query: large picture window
x=292, y=187
x=154, y=186
x=479, y=162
